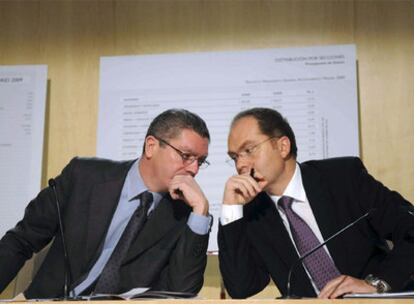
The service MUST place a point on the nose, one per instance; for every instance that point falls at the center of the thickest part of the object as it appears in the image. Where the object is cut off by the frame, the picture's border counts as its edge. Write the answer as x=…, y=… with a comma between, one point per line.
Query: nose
x=193, y=168
x=243, y=165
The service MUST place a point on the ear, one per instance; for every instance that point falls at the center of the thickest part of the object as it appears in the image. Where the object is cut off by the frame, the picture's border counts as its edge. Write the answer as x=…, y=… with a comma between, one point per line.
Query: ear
x=151, y=145
x=283, y=145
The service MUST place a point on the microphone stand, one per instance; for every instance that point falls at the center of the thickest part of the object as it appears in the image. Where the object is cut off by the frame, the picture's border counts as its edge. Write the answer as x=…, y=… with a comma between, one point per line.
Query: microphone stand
x=52, y=184
x=308, y=253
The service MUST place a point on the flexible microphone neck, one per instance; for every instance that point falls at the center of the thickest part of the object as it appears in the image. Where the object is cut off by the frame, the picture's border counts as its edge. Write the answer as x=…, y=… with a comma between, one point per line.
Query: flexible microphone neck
x=67, y=269
x=308, y=253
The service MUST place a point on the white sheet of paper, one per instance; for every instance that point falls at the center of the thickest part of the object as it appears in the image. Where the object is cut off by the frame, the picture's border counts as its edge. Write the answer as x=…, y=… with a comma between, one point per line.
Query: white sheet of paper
x=134, y=291
x=314, y=87
x=387, y=295
x=22, y=117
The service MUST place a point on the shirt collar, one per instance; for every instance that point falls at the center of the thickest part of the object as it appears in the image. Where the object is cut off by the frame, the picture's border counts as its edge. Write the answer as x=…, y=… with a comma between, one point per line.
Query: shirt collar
x=135, y=185
x=294, y=188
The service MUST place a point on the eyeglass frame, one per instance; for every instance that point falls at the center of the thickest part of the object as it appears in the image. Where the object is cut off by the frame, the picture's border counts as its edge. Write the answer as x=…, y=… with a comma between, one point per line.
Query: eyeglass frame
x=247, y=152
x=187, y=158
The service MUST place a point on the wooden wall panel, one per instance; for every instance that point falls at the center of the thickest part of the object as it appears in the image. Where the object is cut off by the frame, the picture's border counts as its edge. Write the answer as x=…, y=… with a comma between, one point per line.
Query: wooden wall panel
x=178, y=26
x=385, y=41
x=70, y=36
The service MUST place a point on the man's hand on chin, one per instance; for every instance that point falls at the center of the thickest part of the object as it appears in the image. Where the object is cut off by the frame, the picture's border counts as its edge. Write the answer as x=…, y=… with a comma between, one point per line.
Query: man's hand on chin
x=343, y=285
x=184, y=187
x=243, y=188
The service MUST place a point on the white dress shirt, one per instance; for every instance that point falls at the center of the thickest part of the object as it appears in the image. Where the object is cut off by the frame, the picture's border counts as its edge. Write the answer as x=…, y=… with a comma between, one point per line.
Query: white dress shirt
x=301, y=206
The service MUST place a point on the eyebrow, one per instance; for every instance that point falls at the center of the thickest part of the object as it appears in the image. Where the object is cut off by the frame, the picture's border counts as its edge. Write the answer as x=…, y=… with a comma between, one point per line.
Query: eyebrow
x=192, y=153
x=184, y=149
x=243, y=146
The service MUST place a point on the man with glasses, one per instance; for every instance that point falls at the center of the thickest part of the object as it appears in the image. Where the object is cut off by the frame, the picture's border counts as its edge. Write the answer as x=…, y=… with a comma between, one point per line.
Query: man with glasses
x=275, y=210
x=127, y=224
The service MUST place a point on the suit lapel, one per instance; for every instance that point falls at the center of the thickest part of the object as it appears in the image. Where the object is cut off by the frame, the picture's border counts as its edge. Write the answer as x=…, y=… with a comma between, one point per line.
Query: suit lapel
x=102, y=207
x=323, y=208
x=282, y=245
x=103, y=202
x=276, y=231
x=163, y=219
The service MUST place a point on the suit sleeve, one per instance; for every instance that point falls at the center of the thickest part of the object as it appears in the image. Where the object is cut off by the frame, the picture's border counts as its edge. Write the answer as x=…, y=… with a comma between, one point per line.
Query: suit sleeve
x=393, y=219
x=241, y=268
x=185, y=270
x=33, y=232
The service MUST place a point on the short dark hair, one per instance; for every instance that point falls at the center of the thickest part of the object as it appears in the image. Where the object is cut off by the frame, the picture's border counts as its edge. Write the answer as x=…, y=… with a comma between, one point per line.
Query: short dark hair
x=170, y=123
x=271, y=123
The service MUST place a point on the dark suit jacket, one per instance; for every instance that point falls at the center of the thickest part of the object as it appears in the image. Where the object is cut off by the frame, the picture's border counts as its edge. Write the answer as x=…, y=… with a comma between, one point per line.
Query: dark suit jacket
x=166, y=255
x=339, y=190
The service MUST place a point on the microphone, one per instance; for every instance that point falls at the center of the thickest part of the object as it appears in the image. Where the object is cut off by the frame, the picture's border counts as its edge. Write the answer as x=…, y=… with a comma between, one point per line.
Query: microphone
x=67, y=270
x=308, y=253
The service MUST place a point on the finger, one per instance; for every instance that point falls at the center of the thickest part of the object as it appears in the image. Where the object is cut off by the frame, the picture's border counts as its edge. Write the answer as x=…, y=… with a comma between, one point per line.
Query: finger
x=242, y=190
x=186, y=179
x=182, y=182
x=330, y=287
x=255, y=183
x=186, y=189
x=175, y=193
x=257, y=175
x=177, y=189
x=346, y=286
x=246, y=185
x=259, y=181
x=352, y=285
x=249, y=182
x=253, y=179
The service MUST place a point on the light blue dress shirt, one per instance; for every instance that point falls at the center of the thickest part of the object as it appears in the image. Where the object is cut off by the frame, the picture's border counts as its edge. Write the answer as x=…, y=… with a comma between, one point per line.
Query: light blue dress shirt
x=128, y=202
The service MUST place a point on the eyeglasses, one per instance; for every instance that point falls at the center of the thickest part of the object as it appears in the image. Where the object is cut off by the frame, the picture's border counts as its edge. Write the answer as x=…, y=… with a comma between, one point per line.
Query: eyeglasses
x=187, y=158
x=246, y=153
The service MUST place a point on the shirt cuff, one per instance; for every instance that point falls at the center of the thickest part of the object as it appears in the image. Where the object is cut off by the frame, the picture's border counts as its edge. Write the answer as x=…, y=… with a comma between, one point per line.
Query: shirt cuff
x=230, y=213
x=199, y=224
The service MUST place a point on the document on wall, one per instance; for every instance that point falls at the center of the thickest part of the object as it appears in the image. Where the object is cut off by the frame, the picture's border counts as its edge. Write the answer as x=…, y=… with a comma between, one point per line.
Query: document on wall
x=314, y=87
x=22, y=116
